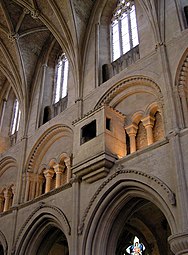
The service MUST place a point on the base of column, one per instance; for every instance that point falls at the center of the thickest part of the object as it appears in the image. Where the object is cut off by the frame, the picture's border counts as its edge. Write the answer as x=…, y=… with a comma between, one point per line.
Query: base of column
x=179, y=243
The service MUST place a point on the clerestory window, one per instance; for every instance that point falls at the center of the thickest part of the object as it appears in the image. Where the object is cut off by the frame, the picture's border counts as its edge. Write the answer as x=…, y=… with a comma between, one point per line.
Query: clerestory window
x=15, y=117
x=61, y=78
x=124, y=33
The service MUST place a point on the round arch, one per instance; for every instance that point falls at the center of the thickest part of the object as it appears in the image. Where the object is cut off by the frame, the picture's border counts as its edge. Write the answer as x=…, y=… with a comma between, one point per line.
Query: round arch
x=128, y=86
x=6, y=164
x=44, y=142
x=46, y=222
x=123, y=190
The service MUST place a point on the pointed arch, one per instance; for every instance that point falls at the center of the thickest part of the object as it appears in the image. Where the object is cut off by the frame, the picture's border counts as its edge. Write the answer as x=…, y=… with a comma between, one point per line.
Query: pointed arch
x=121, y=187
x=14, y=72
x=34, y=229
x=65, y=39
x=3, y=242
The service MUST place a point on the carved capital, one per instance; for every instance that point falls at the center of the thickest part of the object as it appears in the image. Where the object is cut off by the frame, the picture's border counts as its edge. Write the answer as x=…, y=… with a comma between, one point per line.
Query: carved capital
x=7, y=193
x=49, y=173
x=131, y=130
x=148, y=121
x=58, y=168
x=179, y=243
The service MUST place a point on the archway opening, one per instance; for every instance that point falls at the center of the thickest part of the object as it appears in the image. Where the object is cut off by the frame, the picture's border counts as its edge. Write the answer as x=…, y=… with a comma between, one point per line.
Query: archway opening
x=1, y=250
x=141, y=223
x=53, y=243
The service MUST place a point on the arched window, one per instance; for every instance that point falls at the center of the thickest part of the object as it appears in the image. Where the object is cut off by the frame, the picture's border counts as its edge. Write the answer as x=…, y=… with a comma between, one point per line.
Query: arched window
x=47, y=114
x=15, y=118
x=186, y=13
x=124, y=32
x=61, y=78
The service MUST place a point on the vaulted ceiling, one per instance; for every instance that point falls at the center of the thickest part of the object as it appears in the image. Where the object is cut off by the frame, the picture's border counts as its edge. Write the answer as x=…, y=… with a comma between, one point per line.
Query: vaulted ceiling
x=27, y=28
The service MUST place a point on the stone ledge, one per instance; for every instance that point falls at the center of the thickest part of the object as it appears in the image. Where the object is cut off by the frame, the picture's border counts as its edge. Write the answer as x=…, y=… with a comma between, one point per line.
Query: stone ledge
x=95, y=168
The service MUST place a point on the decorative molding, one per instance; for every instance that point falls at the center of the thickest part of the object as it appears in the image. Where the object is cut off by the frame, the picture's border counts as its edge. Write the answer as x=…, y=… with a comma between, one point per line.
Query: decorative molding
x=6, y=163
x=126, y=83
x=183, y=74
x=118, y=171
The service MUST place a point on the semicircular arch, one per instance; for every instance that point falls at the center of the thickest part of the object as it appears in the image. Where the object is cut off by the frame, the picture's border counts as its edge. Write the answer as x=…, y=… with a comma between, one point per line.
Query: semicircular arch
x=43, y=144
x=7, y=163
x=128, y=86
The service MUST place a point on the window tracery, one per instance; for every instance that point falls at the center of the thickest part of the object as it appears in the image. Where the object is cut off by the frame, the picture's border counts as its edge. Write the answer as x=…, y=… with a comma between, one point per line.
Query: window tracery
x=124, y=32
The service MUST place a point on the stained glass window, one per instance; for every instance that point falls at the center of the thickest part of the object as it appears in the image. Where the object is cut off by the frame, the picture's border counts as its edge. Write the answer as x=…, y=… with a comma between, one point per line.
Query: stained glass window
x=123, y=29
x=61, y=78
x=136, y=248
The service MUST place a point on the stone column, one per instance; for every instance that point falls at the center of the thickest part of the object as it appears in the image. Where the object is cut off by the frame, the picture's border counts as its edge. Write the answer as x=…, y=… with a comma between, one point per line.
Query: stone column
x=1, y=202
x=148, y=123
x=68, y=165
x=49, y=173
x=59, y=169
x=131, y=131
x=179, y=243
x=39, y=180
x=7, y=196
